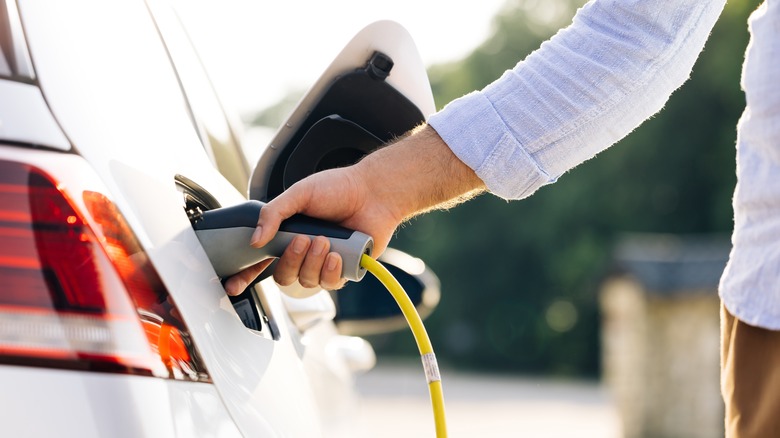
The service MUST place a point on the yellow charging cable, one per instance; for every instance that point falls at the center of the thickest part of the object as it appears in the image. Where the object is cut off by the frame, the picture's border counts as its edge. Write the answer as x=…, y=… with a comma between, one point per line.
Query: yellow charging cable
x=420, y=336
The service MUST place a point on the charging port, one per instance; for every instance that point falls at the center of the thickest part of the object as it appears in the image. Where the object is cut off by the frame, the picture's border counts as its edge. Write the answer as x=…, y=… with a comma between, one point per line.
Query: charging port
x=247, y=305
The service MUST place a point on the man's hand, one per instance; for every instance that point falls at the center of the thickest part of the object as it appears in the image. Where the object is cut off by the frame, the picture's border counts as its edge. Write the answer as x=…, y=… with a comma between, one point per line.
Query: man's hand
x=416, y=174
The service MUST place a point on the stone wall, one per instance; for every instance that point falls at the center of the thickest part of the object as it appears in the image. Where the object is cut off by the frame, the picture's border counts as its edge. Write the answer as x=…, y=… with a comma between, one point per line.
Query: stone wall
x=660, y=337
x=661, y=361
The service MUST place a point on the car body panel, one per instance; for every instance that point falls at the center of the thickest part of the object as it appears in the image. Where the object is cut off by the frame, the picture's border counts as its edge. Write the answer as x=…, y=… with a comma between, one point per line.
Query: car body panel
x=89, y=404
x=99, y=405
x=29, y=121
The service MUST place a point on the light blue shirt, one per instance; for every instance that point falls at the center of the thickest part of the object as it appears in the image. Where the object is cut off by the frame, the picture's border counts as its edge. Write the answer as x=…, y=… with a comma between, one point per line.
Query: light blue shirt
x=601, y=77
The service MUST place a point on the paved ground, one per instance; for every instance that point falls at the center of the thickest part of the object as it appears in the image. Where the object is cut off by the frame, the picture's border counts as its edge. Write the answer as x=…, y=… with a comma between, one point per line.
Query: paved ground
x=395, y=404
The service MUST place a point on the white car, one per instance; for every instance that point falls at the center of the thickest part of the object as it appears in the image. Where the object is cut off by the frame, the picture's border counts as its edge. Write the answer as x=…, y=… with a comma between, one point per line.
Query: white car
x=112, y=320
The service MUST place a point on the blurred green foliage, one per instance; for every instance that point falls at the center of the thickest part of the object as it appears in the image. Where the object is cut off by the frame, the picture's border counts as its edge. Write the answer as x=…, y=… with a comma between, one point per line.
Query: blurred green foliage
x=520, y=279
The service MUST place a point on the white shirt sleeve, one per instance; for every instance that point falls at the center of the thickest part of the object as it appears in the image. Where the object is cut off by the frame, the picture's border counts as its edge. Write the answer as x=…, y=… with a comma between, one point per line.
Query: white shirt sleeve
x=580, y=92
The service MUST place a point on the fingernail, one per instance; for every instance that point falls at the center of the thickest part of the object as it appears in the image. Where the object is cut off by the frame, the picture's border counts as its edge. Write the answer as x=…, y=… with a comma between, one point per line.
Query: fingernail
x=319, y=247
x=332, y=262
x=299, y=245
x=234, y=288
x=256, y=236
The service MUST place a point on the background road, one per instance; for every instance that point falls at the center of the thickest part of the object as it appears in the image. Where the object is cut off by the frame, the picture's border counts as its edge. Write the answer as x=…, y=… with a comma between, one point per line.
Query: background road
x=395, y=404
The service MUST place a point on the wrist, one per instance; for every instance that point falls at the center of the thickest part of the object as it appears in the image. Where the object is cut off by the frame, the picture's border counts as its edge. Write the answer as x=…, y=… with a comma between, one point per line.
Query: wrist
x=418, y=173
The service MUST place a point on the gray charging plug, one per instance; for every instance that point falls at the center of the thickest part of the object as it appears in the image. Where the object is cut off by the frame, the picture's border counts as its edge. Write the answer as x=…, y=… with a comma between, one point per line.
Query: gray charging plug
x=225, y=233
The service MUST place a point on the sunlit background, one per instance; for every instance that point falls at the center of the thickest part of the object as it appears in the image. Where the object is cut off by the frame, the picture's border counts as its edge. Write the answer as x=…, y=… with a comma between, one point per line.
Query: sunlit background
x=259, y=51
x=606, y=279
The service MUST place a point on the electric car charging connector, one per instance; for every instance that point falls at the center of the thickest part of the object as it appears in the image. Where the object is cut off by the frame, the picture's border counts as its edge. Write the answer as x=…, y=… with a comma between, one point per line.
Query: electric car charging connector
x=225, y=233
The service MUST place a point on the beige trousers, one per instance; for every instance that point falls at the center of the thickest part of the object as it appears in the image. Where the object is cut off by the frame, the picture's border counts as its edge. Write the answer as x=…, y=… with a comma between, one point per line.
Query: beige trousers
x=750, y=378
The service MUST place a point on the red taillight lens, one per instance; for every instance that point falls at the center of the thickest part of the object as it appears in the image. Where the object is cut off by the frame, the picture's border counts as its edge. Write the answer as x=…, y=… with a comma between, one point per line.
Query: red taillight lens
x=76, y=288
x=48, y=258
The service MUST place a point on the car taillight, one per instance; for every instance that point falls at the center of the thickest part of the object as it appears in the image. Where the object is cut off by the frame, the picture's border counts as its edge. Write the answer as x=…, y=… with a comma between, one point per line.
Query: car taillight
x=77, y=291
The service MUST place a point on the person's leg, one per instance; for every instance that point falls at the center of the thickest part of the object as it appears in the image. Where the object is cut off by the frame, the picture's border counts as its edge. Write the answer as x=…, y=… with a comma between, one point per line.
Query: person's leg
x=750, y=378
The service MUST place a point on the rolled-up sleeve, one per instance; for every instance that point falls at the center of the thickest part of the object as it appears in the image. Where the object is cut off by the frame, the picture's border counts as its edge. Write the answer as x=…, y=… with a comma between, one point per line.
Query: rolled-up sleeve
x=580, y=92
